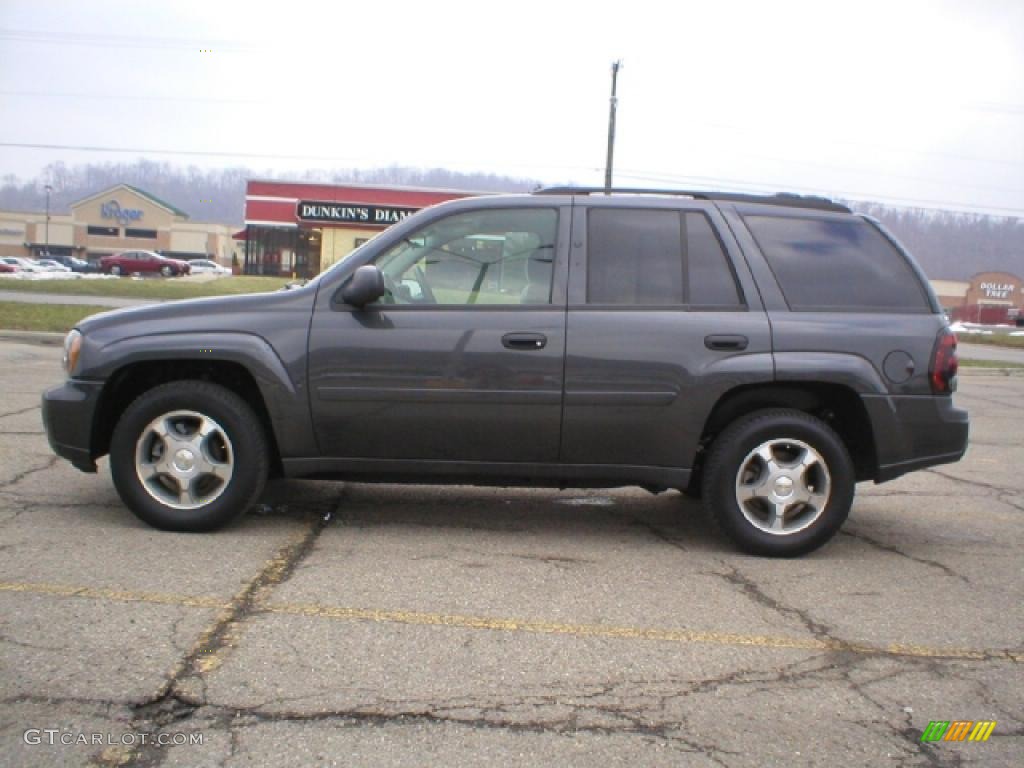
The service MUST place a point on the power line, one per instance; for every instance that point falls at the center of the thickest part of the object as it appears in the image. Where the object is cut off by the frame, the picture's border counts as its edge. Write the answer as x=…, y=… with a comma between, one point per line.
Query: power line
x=120, y=41
x=130, y=97
x=887, y=174
x=788, y=161
x=869, y=145
x=734, y=185
x=180, y=152
x=629, y=173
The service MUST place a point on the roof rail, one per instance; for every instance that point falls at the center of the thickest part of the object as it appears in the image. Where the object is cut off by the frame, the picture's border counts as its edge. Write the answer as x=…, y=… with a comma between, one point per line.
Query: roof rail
x=780, y=198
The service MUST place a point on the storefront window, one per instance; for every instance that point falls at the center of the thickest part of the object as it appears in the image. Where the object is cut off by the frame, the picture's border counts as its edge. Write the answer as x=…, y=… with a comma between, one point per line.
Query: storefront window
x=280, y=251
x=270, y=251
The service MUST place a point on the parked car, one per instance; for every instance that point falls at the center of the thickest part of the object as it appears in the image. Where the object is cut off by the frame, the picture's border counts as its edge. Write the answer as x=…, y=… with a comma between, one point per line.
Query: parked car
x=762, y=352
x=6, y=269
x=49, y=265
x=22, y=264
x=207, y=266
x=75, y=264
x=143, y=262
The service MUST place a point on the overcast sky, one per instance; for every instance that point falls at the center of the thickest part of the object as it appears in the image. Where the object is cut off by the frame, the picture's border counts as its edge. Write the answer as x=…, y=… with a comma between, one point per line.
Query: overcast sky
x=904, y=102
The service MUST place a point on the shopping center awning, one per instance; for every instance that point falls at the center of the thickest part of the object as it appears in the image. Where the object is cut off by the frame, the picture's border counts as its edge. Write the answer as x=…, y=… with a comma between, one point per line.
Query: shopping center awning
x=242, y=234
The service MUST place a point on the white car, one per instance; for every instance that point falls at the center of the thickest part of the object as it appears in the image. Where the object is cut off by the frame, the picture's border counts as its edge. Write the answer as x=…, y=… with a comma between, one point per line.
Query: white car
x=24, y=265
x=207, y=267
x=49, y=265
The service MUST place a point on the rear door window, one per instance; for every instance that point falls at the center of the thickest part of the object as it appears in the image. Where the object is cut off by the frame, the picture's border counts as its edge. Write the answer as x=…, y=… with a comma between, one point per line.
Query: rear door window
x=634, y=257
x=638, y=257
x=837, y=264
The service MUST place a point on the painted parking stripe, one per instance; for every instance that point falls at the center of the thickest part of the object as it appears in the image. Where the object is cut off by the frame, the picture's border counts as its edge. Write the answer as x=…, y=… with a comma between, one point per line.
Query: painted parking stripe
x=114, y=595
x=526, y=626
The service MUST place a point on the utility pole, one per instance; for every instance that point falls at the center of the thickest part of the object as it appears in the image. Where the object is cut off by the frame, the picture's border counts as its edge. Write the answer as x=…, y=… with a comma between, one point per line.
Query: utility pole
x=616, y=66
x=49, y=189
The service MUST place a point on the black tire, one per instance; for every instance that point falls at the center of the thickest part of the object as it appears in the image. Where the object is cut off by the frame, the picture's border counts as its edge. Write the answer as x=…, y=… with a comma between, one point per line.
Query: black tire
x=115, y=271
x=166, y=271
x=249, y=455
x=731, y=453
x=695, y=489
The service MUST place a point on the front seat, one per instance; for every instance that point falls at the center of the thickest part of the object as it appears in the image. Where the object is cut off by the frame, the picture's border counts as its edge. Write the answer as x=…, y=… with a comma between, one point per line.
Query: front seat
x=538, y=278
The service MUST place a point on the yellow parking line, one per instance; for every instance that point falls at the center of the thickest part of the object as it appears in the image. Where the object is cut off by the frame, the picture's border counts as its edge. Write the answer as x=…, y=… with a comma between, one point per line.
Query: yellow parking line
x=685, y=636
x=681, y=636
x=115, y=595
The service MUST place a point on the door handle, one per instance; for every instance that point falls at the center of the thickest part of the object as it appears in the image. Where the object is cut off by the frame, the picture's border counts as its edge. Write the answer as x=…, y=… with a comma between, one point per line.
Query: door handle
x=524, y=341
x=726, y=343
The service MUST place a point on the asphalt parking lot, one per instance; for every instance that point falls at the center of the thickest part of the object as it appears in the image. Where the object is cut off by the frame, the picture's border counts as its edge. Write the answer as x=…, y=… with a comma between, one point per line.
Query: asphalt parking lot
x=343, y=624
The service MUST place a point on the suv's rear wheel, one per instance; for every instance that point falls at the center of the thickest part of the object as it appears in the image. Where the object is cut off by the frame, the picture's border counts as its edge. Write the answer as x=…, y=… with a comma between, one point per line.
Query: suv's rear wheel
x=188, y=456
x=779, y=482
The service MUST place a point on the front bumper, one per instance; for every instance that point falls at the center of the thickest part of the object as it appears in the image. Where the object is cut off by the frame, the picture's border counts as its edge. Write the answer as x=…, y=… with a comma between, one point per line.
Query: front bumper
x=914, y=432
x=69, y=412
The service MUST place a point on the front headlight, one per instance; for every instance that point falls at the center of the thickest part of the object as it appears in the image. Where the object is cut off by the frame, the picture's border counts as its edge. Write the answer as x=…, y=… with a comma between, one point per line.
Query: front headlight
x=72, y=346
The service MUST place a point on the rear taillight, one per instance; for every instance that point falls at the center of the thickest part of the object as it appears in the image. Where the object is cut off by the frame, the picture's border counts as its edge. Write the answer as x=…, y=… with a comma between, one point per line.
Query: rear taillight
x=944, y=363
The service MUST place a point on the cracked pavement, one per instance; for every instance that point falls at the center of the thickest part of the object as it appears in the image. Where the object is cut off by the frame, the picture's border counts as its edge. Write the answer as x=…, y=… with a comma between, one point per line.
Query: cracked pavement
x=350, y=624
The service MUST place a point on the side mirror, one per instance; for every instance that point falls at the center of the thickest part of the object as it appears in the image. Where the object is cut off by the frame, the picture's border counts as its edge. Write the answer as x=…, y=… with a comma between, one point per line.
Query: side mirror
x=364, y=287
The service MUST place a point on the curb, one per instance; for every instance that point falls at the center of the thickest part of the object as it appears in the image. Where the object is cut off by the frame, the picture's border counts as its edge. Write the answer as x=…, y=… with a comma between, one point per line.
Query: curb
x=990, y=372
x=42, y=338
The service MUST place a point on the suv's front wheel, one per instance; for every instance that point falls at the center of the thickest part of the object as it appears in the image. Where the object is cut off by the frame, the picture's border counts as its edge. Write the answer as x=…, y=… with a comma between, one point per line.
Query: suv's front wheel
x=188, y=456
x=779, y=482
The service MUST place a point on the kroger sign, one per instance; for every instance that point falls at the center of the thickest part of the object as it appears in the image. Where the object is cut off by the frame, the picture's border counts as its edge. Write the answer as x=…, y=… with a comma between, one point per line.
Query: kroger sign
x=113, y=210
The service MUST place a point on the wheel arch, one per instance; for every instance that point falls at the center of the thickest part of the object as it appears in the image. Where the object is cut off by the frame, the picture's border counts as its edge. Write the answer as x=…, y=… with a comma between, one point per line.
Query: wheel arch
x=837, y=405
x=133, y=379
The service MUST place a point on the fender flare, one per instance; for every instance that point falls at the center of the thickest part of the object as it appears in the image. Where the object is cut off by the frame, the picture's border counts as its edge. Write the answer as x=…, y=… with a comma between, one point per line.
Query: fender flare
x=285, y=399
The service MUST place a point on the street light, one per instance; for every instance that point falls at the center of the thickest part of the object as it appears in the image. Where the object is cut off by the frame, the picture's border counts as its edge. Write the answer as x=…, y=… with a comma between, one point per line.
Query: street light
x=49, y=189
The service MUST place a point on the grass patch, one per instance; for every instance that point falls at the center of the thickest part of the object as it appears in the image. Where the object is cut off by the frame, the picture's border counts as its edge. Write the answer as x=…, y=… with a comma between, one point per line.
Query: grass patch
x=993, y=340
x=155, y=288
x=989, y=364
x=59, y=318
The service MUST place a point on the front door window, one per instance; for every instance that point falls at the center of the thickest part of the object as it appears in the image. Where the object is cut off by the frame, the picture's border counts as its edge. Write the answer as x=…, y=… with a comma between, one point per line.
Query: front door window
x=493, y=257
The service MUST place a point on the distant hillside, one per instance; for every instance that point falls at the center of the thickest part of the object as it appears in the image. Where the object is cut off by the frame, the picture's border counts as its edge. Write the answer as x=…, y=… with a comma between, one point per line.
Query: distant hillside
x=948, y=245
x=954, y=246
x=223, y=188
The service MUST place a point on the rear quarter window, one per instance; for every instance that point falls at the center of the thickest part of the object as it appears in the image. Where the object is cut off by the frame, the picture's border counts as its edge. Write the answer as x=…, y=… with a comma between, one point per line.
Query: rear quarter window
x=837, y=264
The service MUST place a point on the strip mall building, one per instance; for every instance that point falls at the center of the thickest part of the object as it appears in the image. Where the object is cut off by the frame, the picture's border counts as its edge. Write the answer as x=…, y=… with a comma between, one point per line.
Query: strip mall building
x=988, y=297
x=119, y=218
x=301, y=229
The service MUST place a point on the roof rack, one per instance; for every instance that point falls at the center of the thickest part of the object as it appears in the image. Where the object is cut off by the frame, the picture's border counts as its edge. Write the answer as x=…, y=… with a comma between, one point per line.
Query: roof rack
x=780, y=198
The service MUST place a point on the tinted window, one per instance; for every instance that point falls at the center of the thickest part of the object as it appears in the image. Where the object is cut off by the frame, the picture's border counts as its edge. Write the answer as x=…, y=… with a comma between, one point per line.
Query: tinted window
x=634, y=257
x=657, y=257
x=711, y=280
x=480, y=257
x=831, y=264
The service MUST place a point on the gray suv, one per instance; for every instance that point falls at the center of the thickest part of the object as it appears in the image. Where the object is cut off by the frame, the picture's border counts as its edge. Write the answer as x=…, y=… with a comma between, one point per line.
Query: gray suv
x=764, y=353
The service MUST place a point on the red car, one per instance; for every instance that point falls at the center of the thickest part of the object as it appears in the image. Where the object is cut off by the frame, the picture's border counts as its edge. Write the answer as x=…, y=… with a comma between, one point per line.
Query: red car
x=131, y=262
x=8, y=268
